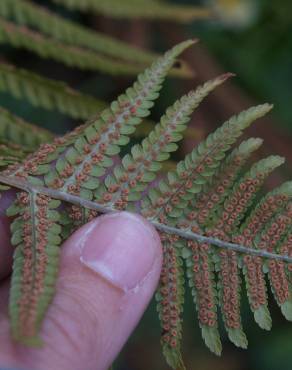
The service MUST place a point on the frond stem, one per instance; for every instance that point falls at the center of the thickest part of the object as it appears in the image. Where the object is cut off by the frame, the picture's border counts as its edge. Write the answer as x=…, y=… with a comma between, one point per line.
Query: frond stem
x=69, y=198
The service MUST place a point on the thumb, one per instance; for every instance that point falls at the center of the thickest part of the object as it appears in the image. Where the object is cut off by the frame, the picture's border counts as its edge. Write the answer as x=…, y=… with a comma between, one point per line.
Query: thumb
x=109, y=271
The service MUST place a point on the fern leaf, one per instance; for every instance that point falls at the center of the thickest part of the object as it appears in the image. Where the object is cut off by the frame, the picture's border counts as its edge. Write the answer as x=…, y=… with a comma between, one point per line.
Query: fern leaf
x=41, y=18
x=87, y=152
x=149, y=9
x=206, y=194
x=199, y=210
x=253, y=266
x=271, y=239
x=200, y=273
x=144, y=130
x=17, y=131
x=227, y=220
x=213, y=194
x=175, y=192
x=53, y=95
x=47, y=93
x=286, y=249
x=10, y=154
x=229, y=296
x=72, y=56
x=68, y=32
x=243, y=194
x=170, y=300
x=268, y=206
x=35, y=234
x=194, y=172
x=129, y=180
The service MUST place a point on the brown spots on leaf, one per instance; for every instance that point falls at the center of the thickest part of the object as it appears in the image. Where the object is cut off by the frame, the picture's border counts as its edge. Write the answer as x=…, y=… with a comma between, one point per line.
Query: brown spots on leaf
x=229, y=277
x=203, y=284
x=170, y=289
x=34, y=266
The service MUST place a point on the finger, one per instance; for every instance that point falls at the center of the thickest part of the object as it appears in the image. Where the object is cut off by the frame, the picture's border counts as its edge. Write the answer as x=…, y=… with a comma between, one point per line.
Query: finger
x=6, y=250
x=109, y=271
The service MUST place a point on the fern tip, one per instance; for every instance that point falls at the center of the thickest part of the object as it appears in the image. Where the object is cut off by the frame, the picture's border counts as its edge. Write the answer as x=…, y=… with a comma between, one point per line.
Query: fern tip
x=286, y=188
x=268, y=106
x=226, y=76
x=250, y=145
x=179, y=48
x=194, y=40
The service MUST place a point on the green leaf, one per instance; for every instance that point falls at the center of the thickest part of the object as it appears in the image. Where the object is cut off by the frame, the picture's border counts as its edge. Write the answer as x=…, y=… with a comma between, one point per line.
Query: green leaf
x=47, y=93
x=94, y=149
x=72, y=56
x=149, y=9
x=18, y=131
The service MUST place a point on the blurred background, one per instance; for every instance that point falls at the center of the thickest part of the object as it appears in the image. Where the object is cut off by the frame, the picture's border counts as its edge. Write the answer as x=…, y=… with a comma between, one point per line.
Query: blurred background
x=253, y=40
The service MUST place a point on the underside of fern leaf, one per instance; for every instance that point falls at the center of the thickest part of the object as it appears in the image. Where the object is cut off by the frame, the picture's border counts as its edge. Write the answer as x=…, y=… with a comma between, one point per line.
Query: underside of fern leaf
x=72, y=164
x=213, y=192
x=170, y=298
x=35, y=234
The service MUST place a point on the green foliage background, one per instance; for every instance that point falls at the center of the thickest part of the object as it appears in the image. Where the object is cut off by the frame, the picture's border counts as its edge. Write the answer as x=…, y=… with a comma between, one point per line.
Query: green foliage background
x=260, y=55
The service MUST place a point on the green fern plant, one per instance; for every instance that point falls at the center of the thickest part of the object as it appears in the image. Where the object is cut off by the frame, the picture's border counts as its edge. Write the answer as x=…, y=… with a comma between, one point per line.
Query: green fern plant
x=149, y=9
x=27, y=26
x=208, y=201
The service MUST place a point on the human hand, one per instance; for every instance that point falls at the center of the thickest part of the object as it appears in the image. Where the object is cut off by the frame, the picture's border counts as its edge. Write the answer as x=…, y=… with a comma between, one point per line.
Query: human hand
x=109, y=271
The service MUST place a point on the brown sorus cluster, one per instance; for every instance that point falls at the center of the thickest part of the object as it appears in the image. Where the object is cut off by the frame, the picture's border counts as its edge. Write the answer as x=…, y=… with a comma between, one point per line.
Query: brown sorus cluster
x=35, y=262
x=170, y=290
x=254, y=272
x=203, y=283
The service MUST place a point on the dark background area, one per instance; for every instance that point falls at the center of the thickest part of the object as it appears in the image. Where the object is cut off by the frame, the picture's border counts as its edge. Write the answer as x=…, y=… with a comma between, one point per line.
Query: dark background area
x=255, y=44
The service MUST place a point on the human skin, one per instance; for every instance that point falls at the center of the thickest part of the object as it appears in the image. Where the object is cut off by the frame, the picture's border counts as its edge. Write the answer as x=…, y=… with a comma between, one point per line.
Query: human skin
x=109, y=270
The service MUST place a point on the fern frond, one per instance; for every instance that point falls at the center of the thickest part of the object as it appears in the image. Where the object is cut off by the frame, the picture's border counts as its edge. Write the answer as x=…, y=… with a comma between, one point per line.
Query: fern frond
x=271, y=236
x=286, y=303
x=200, y=273
x=170, y=300
x=71, y=33
x=15, y=130
x=202, y=204
x=41, y=18
x=252, y=267
x=225, y=224
x=128, y=180
x=35, y=234
x=76, y=171
x=174, y=193
x=10, y=154
x=149, y=9
x=243, y=194
x=213, y=194
x=144, y=130
x=217, y=148
x=205, y=202
x=72, y=56
x=271, y=239
x=47, y=93
x=86, y=158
